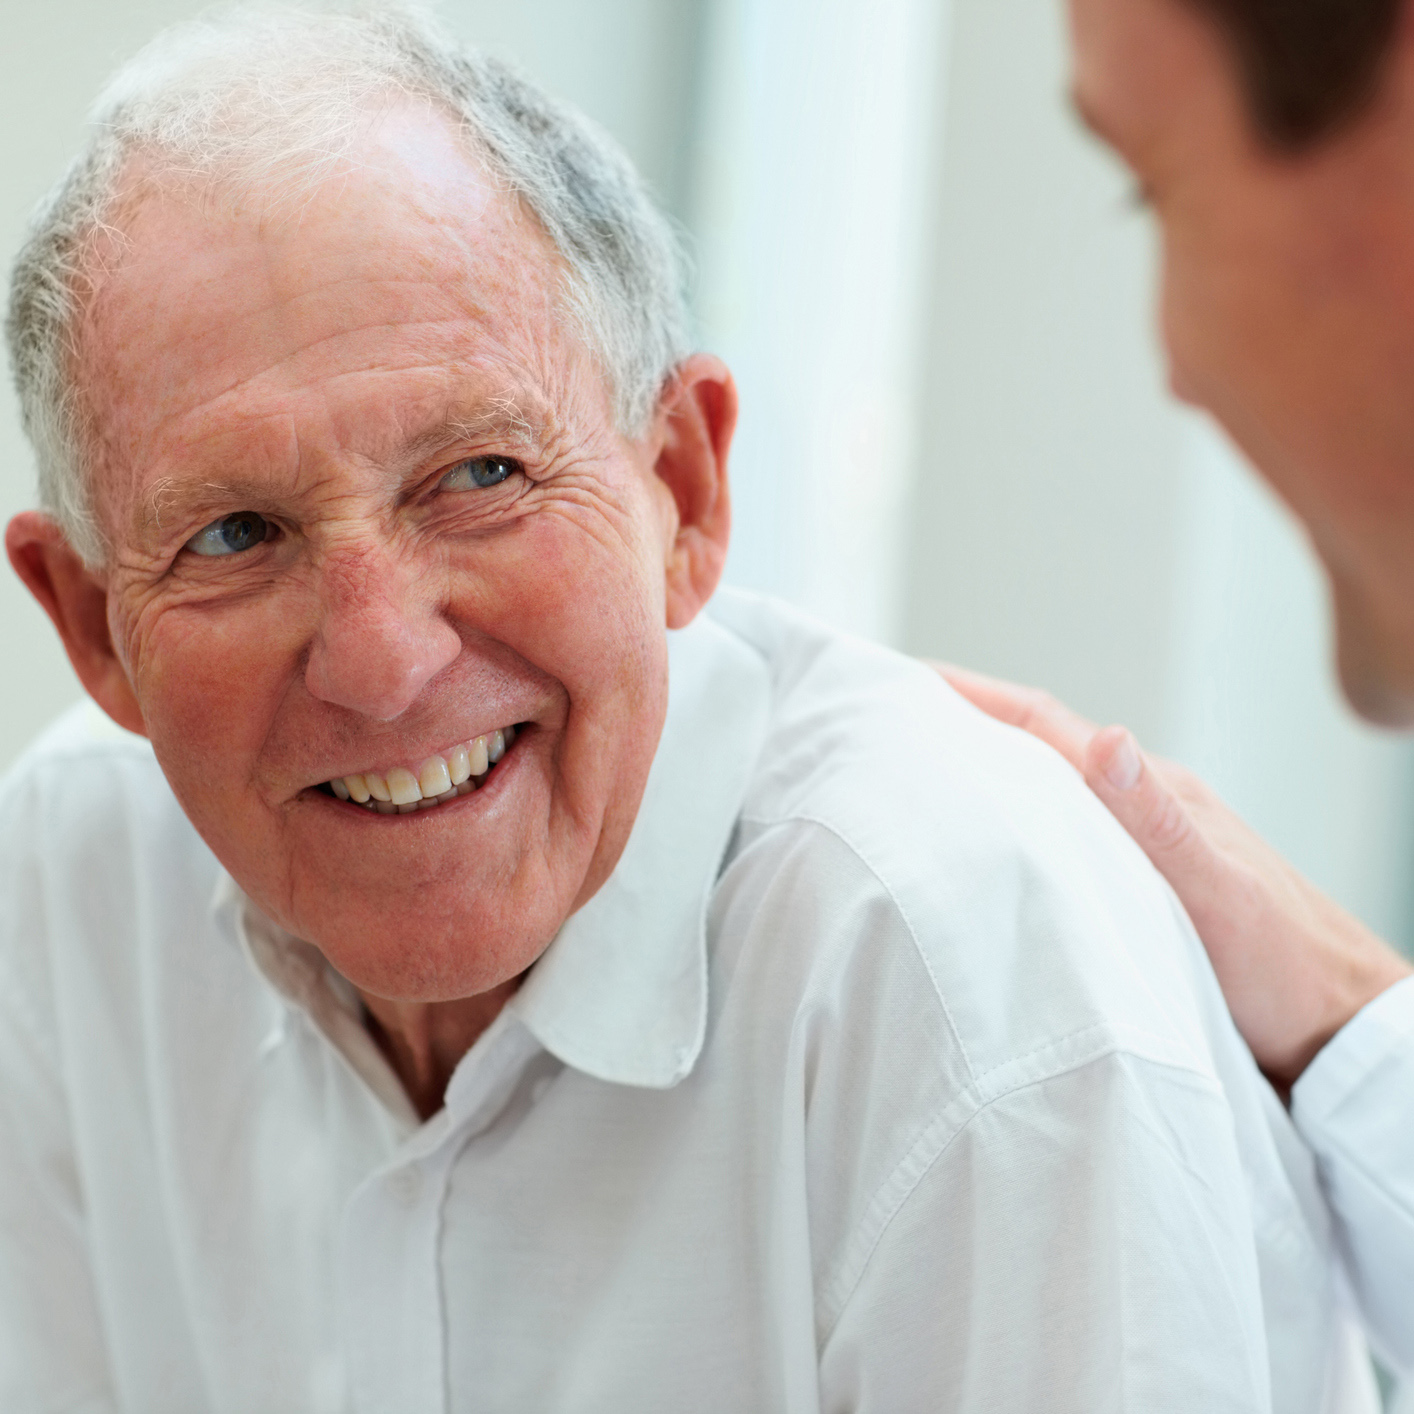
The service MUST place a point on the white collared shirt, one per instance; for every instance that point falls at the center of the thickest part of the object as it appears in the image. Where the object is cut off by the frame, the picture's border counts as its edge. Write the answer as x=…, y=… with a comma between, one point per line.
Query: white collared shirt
x=883, y=1075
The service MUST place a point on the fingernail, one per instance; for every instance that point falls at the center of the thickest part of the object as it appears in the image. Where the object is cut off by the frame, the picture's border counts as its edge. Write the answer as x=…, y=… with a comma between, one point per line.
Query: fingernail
x=1123, y=768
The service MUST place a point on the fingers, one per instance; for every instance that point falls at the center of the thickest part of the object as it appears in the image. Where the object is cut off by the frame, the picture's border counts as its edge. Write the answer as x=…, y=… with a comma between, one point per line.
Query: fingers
x=1026, y=707
x=1293, y=967
x=1113, y=766
x=1146, y=805
x=1110, y=760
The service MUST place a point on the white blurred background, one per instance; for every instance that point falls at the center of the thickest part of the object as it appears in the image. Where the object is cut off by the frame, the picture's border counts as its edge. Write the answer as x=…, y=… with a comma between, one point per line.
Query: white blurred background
x=956, y=437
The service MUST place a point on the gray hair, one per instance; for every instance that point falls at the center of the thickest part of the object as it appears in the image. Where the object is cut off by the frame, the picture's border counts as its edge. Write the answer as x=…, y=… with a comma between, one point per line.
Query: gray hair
x=257, y=97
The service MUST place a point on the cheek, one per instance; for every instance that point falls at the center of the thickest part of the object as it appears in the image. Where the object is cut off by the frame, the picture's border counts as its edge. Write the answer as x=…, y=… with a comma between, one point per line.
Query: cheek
x=1213, y=331
x=1185, y=315
x=577, y=601
x=576, y=587
x=1252, y=326
x=209, y=682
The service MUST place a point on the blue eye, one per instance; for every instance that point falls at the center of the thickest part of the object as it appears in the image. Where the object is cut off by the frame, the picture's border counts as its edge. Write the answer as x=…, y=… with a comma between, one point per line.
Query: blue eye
x=230, y=536
x=478, y=473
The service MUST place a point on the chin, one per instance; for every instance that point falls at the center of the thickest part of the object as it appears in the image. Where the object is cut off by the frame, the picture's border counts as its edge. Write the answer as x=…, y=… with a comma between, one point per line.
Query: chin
x=1376, y=669
x=458, y=948
x=420, y=970
x=1379, y=702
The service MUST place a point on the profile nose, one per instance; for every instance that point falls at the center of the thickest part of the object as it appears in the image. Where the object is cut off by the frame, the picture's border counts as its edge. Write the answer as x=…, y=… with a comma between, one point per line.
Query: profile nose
x=380, y=640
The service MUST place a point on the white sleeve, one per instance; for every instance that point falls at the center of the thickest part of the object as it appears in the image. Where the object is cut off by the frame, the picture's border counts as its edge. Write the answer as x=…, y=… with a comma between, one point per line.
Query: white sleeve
x=1355, y=1107
x=52, y=1353
x=1082, y=1246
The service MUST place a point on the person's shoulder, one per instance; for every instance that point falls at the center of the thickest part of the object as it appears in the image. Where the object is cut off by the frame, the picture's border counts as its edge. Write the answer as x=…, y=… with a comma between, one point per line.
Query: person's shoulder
x=89, y=831
x=934, y=919
x=846, y=712
x=77, y=766
x=1043, y=934
x=874, y=747
x=82, y=733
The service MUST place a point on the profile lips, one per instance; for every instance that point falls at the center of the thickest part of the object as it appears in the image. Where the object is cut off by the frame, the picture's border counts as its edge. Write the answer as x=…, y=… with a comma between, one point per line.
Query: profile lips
x=404, y=790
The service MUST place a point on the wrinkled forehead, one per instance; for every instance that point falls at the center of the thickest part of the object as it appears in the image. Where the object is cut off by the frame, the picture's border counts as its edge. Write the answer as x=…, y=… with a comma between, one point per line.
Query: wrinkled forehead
x=211, y=306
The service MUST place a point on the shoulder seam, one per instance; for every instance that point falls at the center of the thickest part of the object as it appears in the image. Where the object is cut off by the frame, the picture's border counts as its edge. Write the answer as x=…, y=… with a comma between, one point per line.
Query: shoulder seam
x=939, y=1135
x=893, y=899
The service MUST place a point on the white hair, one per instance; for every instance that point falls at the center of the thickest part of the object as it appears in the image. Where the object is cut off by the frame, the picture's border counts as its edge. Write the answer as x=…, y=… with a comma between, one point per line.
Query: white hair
x=263, y=96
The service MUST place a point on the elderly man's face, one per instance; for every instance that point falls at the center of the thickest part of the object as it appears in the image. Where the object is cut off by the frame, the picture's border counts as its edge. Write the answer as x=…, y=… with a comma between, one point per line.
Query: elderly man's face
x=438, y=533
x=1288, y=302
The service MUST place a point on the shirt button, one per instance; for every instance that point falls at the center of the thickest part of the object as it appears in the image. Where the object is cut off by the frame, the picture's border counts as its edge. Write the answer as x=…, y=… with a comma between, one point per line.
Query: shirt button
x=405, y=1185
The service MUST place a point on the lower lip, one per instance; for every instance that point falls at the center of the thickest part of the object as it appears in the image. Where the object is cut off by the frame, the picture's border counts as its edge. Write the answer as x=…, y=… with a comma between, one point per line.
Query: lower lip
x=504, y=767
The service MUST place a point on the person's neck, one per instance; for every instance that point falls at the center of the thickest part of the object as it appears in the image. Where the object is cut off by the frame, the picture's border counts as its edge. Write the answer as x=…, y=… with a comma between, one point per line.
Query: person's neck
x=424, y=1041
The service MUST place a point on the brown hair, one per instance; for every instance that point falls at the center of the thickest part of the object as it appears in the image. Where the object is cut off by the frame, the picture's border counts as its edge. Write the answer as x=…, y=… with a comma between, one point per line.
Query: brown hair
x=1308, y=65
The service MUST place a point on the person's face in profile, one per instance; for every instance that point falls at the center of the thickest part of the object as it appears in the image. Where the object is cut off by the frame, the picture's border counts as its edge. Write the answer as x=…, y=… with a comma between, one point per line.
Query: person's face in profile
x=1287, y=302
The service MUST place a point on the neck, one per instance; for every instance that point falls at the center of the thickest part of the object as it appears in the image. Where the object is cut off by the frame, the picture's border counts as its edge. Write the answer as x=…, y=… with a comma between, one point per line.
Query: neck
x=424, y=1041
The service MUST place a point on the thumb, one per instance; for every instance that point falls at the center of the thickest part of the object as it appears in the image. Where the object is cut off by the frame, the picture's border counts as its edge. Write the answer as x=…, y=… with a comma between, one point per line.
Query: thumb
x=1146, y=805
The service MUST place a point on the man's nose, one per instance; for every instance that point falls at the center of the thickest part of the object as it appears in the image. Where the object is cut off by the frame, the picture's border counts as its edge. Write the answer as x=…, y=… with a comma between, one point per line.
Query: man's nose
x=381, y=637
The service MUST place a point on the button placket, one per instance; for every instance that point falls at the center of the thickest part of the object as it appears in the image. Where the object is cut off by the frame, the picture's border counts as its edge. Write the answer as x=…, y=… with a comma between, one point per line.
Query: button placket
x=389, y=1255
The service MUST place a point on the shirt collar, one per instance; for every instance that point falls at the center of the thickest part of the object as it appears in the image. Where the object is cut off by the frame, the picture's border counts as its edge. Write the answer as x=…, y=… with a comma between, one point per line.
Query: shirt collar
x=299, y=973
x=621, y=993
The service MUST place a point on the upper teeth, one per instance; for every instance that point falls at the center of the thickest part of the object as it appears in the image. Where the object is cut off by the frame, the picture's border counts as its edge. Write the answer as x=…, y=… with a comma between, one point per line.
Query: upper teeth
x=403, y=789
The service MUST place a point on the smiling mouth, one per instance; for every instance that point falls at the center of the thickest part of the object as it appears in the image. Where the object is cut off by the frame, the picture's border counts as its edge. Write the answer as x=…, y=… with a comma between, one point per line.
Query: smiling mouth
x=439, y=779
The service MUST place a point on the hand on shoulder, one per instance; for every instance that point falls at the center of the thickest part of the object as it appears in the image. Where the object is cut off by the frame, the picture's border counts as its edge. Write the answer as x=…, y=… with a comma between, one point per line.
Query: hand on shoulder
x=1293, y=966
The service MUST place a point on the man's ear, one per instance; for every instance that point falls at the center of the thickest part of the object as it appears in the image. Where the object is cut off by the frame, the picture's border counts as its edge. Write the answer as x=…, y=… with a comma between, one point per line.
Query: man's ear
x=697, y=419
x=77, y=601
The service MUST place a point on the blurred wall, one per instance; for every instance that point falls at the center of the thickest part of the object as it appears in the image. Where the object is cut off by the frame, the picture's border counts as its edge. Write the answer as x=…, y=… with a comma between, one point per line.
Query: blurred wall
x=816, y=154
x=1042, y=544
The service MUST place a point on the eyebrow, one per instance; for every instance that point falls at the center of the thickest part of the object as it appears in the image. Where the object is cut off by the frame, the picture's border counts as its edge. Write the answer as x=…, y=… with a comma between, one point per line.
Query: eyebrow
x=504, y=417
x=170, y=499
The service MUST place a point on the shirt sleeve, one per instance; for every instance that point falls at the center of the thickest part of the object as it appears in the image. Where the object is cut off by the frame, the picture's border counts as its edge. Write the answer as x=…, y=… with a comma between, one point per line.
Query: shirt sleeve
x=52, y=1352
x=1081, y=1246
x=1355, y=1107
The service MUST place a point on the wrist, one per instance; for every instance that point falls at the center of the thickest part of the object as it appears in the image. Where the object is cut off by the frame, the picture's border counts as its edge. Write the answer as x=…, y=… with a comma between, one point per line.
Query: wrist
x=1366, y=970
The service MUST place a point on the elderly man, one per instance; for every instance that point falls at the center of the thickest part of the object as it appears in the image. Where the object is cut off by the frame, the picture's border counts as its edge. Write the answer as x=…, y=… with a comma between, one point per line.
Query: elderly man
x=496, y=983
